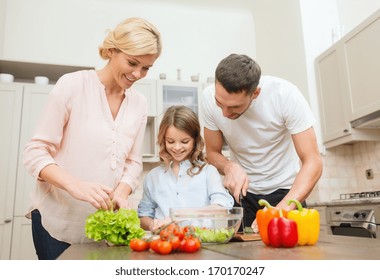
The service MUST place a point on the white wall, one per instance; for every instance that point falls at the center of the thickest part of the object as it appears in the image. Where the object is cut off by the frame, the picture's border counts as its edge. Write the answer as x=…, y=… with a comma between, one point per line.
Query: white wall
x=352, y=12
x=279, y=40
x=196, y=34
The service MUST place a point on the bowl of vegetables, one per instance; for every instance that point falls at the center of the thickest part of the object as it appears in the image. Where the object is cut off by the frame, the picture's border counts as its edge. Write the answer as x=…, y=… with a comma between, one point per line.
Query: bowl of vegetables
x=210, y=225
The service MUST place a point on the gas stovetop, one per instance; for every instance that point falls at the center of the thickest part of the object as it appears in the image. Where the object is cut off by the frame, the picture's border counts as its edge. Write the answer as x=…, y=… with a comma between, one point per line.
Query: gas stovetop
x=360, y=195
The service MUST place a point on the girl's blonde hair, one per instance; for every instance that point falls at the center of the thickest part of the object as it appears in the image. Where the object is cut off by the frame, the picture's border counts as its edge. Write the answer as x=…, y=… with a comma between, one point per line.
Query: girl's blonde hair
x=134, y=36
x=184, y=119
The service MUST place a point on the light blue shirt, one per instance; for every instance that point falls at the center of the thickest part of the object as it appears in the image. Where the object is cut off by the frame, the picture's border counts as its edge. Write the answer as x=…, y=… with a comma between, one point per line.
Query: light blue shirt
x=163, y=190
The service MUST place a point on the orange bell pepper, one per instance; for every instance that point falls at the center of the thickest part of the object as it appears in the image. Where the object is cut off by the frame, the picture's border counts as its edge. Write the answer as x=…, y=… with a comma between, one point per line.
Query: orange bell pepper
x=264, y=216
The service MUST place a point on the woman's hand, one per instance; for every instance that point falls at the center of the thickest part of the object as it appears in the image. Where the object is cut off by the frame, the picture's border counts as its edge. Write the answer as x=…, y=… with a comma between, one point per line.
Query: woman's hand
x=95, y=194
x=120, y=196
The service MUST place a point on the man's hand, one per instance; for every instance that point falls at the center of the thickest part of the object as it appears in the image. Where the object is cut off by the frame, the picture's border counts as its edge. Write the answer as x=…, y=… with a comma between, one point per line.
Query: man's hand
x=235, y=179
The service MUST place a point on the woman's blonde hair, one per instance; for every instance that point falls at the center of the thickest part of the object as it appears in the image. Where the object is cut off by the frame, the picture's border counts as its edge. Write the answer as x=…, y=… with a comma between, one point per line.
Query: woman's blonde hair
x=134, y=36
x=184, y=119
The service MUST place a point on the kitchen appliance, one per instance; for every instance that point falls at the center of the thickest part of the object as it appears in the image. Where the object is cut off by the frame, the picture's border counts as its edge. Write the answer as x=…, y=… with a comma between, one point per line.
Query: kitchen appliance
x=355, y=214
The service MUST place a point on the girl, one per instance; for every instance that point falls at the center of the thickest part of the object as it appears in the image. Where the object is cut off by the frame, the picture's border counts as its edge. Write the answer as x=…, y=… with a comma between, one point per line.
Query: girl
x=184, y=179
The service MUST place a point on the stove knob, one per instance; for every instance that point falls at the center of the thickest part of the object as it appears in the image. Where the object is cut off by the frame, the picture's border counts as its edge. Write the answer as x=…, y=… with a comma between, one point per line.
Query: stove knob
x=356, y=215
x=363, y=214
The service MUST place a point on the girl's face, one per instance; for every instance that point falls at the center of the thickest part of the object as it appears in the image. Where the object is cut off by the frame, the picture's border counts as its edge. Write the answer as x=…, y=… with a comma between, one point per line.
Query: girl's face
x=178, y=144
x=127, y=69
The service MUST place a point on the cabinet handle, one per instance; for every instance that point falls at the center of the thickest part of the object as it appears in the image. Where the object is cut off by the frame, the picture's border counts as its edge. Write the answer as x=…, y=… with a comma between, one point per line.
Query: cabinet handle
x=7, y=221
x=345, y=131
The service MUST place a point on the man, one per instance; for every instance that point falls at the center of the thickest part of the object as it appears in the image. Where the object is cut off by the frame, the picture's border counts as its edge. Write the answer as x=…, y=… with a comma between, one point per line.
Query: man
x=268, y=126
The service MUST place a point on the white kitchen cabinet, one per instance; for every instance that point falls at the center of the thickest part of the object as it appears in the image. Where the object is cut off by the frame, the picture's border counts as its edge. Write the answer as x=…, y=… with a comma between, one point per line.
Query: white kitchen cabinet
x=148, y=88
x=34, y=100
x=22, y=240
x=20, y=108
x=10, y=118
x=171, y=93
x=348, y=89
x=361, y=49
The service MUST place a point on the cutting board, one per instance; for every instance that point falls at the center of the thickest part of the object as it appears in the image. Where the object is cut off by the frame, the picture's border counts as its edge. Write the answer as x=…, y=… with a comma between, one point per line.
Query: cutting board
x=246, y=236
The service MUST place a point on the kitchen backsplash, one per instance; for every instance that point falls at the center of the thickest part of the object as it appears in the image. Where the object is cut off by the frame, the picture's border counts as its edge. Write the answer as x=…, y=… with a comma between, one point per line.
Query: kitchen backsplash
x=343, y=172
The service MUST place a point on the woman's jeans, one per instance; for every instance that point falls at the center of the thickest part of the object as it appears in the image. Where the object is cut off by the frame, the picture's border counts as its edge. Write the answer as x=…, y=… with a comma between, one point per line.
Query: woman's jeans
x=47, y=247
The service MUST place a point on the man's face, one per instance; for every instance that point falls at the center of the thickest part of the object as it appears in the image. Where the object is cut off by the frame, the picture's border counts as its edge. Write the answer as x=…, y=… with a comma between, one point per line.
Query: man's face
x=235, y=104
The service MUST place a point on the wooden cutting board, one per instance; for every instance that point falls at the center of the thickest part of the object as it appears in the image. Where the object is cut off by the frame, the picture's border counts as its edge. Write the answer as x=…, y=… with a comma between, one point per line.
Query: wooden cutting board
x=246, y=236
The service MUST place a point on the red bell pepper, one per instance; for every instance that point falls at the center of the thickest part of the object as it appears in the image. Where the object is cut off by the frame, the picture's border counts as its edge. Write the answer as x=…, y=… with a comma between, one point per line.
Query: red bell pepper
x=282, y=232
x=264, y=216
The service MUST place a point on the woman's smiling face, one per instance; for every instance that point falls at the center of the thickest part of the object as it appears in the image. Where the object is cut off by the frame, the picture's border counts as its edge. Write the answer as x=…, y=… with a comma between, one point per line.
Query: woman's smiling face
x=127, y=69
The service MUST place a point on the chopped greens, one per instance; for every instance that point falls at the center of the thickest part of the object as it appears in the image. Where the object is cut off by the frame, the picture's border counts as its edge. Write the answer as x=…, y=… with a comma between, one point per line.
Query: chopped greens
x=208, y=235
x=118, y=228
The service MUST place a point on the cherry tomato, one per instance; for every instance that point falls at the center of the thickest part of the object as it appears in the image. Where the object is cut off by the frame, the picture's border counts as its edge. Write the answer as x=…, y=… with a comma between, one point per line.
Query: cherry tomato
x=138, y=245
x=175, y=242
x=154, y=244
x=164, y=234
x=191, y=245
x=179, y=232
x=164, y=247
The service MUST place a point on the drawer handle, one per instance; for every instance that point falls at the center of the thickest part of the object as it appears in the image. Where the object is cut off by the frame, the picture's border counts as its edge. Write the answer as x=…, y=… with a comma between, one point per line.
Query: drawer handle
x=7, y=221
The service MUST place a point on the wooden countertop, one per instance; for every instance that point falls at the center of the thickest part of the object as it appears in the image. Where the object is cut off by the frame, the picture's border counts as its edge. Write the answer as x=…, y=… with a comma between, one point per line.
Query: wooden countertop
x=329, y=247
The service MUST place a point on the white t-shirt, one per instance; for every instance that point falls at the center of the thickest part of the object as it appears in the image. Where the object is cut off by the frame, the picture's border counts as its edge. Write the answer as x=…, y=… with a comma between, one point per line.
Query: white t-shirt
x=260, y=139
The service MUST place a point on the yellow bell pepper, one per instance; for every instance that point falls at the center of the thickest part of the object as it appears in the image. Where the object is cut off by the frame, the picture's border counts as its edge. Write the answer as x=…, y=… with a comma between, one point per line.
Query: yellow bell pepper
x=308, y=223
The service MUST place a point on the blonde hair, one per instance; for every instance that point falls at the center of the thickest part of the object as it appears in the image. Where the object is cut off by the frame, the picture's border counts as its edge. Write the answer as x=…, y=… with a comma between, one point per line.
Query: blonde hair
x=134, y=36
x=184, y=119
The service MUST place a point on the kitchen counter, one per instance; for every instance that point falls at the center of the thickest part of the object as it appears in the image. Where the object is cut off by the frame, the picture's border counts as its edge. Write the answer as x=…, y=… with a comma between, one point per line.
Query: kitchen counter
x=329, y=247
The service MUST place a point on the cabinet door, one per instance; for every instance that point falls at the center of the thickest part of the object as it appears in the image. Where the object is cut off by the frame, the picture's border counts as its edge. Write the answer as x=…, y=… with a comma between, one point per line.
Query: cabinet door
x=35, y=97
x=178, y=93
x=334, y=120
x=10, y=117
x=148, y=89
x=22, y=241
x=362, y=52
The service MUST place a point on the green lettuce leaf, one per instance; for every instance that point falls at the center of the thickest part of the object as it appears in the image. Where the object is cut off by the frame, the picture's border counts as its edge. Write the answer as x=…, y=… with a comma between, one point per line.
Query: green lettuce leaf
x=118, y=227
x=221, y=235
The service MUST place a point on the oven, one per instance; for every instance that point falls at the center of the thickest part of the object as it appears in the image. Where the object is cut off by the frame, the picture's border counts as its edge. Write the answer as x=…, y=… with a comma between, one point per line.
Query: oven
x=355, y=214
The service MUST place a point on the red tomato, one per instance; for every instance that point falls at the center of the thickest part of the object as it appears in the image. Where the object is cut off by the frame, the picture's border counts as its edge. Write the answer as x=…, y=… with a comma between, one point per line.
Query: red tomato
x=191, y=245
x=175, y=242
x=179, y=232
x=154, y=244
x=164, y=234
x=164, y=247
x=138, y=245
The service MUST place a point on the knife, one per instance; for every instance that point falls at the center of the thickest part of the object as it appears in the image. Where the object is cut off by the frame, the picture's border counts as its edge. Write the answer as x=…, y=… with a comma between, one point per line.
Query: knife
x=241, y=198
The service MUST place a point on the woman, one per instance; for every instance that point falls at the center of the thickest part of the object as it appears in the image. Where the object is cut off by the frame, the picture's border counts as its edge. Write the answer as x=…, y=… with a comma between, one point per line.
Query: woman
x=87, y=151
x=185, y=179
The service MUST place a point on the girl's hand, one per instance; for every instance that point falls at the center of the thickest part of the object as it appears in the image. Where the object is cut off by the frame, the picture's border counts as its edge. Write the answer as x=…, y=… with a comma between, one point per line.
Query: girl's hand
x=158, y=223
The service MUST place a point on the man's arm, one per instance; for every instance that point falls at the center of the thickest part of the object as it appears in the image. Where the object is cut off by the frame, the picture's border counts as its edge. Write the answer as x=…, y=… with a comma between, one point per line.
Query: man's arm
x=235, y=177
x=311, y=170
x=214, y=144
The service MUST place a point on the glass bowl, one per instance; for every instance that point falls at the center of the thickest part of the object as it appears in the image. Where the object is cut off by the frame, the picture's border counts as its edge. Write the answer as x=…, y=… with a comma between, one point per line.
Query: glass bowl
x=211, y=225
